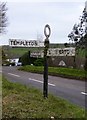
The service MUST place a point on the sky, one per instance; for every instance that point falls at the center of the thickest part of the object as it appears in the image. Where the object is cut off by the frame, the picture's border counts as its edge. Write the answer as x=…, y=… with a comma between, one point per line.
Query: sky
x=27, y=19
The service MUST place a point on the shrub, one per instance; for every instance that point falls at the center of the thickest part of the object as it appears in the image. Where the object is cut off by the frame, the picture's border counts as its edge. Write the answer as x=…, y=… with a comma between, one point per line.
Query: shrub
x=25, y=59
x=39, y=62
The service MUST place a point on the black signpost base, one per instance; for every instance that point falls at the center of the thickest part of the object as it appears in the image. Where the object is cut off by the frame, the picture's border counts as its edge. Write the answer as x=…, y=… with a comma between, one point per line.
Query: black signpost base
x=45, y=85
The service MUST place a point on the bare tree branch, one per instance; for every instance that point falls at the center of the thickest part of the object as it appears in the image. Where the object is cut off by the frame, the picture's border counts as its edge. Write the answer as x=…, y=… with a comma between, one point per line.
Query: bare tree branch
x=3, y=17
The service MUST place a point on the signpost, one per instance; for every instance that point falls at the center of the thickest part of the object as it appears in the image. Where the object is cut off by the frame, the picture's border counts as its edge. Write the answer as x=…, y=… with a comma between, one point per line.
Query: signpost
x=44, y=53
x=47, y=33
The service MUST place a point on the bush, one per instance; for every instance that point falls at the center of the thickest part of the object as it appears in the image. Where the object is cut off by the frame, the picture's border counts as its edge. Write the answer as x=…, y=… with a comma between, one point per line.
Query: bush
x=39, y=62
x=6, y=63
x=25, y=59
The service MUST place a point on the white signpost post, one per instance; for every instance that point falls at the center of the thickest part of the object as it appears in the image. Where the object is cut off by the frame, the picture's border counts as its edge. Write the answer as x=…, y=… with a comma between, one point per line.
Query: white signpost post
x=25, y=43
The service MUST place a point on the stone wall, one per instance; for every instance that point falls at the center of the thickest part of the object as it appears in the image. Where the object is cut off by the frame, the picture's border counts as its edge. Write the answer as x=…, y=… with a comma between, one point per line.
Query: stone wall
x=66, y=61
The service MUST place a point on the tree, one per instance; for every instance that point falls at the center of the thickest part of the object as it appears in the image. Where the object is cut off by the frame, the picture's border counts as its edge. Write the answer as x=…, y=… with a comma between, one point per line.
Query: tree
x=3, y=17
x=79, y=30
x=85, y=45
x=3, y=55
x=79, y=34
x=4, y=59
x=25, y=59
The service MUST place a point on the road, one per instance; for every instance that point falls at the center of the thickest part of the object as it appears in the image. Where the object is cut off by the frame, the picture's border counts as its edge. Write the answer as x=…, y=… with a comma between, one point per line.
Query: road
x=71, y=90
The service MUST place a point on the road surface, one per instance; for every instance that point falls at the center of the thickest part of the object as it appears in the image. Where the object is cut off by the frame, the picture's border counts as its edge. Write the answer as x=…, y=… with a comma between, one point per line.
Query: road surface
x=71, y=90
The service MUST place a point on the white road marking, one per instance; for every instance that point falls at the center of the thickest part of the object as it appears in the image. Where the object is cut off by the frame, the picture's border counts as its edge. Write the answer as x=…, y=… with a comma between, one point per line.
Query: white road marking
x=14, y=74
x=40, y=81
x=83, y=93
x=51, y=84
x=35, y=80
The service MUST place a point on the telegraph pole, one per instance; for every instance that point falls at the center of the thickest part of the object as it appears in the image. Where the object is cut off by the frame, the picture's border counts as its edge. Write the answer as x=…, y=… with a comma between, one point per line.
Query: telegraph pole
x=47, y=32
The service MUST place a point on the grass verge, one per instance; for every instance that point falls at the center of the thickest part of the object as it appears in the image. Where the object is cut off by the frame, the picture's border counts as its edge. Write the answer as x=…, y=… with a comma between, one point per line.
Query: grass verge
x=0, y=96
x=57, y=71
x=21, y=102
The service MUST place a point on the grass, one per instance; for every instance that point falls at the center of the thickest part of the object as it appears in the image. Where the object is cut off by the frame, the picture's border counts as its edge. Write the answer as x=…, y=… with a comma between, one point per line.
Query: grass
x=0, y=96
x=27, y=102
x=0, y=55
x=57, y=71
x=18, y=51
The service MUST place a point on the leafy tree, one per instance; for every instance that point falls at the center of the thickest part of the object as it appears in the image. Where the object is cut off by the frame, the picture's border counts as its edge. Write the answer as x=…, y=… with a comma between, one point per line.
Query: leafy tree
x=4, y=59
x=3, y=56
x=79, y=34
x=25, y=59
x=85, y=45
x=79, y=31
x=3, y=17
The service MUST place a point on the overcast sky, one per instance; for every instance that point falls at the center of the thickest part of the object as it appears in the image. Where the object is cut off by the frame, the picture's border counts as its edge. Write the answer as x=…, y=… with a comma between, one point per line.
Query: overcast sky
x=27, y=19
